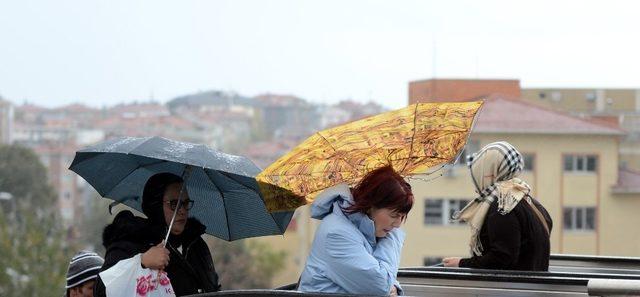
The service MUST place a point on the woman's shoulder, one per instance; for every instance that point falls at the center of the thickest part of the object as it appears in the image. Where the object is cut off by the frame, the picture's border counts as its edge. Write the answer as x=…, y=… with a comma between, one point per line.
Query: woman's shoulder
x=334, y=224
x=127, y=227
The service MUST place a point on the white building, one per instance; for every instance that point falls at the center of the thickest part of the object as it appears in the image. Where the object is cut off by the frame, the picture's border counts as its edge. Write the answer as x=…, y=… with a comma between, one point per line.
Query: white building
x=6, y=122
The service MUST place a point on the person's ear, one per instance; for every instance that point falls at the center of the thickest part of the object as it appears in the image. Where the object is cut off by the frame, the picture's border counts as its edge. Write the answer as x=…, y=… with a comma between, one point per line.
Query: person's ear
x=370, y=211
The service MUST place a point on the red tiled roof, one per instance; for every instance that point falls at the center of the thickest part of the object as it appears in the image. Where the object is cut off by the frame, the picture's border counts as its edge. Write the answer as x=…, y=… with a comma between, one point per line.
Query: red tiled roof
x=55, y=148
x=501, y=114
x=132, y=123
x=628, y=182
x=60, y=123
x=76, y=107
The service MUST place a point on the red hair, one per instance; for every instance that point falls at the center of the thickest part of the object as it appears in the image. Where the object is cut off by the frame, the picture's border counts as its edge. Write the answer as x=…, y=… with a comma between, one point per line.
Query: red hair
x=382, y=188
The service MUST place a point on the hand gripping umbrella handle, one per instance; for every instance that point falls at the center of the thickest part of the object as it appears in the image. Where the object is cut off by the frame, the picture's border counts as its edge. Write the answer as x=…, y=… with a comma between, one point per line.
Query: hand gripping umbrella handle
x=185, y=176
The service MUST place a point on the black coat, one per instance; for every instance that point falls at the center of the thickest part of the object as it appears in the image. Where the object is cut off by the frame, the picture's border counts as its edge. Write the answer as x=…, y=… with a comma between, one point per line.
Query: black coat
x=190, y=272
x=515, y=241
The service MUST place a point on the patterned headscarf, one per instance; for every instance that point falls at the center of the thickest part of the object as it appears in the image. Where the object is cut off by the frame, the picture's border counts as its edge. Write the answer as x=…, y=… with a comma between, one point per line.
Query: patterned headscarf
x=493, y=171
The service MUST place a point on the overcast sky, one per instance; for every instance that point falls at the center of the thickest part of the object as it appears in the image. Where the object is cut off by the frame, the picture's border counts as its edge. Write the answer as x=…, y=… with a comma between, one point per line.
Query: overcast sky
x=108, y=52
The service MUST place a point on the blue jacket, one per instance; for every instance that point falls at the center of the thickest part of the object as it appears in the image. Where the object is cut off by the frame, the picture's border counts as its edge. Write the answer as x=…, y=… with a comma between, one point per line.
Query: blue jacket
x=345, y=256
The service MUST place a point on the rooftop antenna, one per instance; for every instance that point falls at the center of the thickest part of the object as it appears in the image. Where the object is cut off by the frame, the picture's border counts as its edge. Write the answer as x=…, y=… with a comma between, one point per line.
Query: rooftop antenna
x=434, y=58
x=434, y=68
x=477, y=64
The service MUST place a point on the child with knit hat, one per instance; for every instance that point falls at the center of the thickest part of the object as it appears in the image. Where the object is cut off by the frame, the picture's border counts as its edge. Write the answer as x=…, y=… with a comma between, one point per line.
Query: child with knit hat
x=81, y=275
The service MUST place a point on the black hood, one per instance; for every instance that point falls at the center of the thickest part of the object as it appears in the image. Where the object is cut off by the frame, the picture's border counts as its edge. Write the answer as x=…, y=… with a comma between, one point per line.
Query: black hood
x=152, y=195
x=127, y=227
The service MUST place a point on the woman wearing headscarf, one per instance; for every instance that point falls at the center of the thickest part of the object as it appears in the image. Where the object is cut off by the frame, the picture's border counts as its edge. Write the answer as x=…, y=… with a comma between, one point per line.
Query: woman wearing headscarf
x=185, y=257
x=509, y=228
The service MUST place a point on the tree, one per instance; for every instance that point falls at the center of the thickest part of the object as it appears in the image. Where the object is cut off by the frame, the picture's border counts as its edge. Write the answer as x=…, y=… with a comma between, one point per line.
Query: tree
x=94, y=219
x=25, y=177
x=34, y=256
x=245, y=264
x=34, y=251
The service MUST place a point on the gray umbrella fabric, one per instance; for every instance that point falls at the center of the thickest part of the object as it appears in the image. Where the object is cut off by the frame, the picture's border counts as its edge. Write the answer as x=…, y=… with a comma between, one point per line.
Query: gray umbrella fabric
x=226, y=196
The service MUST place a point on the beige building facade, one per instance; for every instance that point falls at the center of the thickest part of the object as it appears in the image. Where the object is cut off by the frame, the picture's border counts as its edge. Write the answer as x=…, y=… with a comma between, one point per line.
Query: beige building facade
x=592, y=101
x=620, y=106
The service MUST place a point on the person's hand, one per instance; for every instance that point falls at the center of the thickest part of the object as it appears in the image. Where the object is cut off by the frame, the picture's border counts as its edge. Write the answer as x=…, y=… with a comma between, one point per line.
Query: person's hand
x=157, y=257
x=394, y=291
x=451, y=262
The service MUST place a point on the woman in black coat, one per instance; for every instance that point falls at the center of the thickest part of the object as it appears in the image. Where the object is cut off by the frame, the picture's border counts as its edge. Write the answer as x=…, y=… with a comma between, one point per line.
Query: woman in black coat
x=186, y=257
x=510, y=229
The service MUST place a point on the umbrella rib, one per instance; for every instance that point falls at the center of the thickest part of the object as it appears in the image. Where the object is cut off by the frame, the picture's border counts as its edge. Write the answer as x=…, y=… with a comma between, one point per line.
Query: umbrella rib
x=85, y=160
x=415, y=117
x=320, y=172
x=335, y=150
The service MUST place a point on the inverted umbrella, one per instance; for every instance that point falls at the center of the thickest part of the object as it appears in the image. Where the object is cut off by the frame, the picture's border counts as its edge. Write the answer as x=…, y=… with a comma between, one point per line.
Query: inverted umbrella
x=226, y=196
x=411, y=140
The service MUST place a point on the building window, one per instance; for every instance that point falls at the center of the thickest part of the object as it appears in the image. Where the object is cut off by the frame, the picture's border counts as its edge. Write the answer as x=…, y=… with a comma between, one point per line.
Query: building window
x=529, y=160
x=580, y=218
x=433, y=212
x=580, y=163
x=430, y=261
x=440, y=211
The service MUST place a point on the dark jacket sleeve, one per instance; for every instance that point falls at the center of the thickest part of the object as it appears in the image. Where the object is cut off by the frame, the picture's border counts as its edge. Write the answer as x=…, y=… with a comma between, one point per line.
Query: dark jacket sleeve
x=211, y=273
x=544, y=213
x=503, y=233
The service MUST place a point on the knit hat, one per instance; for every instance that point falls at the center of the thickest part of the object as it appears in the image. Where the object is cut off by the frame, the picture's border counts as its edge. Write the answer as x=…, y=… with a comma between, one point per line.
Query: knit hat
x=84, y=266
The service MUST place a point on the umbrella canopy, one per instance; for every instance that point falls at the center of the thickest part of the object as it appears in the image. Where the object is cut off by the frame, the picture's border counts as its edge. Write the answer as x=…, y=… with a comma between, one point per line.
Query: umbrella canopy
x=412, y=140
x=226, y=196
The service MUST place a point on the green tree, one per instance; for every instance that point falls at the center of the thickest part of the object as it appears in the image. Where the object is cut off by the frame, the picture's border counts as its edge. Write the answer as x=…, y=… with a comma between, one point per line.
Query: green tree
x=258, y=128
x=245, y=264
x=23, y=175
x=34, y=256
x=34, y=250
x=95, y=217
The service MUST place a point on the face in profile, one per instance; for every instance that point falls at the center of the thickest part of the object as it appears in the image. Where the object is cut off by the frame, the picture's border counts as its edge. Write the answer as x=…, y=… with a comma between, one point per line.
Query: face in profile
x=385, y=220
x=169, y=204
x=83, y=290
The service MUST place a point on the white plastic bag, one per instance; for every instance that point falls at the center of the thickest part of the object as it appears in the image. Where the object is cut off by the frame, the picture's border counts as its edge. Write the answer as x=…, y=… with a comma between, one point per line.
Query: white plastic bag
x=128, y=278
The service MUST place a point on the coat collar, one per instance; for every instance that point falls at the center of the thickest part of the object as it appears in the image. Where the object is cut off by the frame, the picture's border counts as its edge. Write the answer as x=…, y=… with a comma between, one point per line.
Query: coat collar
x=335, y=200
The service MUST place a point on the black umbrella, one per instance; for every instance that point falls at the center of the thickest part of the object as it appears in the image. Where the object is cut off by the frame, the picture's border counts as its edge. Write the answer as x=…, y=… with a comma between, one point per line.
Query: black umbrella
x=227, y=199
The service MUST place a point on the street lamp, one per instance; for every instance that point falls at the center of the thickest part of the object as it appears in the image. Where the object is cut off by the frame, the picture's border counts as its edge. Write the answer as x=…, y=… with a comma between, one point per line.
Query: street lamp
x=6, y=196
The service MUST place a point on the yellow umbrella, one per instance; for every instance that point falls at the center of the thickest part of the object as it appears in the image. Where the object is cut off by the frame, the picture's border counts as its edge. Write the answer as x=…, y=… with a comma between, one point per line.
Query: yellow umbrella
x=412, y=140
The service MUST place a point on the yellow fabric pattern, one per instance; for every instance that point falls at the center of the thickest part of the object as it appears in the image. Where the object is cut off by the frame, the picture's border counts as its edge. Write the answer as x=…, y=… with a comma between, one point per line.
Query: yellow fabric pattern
x=412, y=139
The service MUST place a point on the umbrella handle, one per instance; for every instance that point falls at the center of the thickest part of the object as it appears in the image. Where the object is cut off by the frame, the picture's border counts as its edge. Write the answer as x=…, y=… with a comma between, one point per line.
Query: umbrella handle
x=185, y=176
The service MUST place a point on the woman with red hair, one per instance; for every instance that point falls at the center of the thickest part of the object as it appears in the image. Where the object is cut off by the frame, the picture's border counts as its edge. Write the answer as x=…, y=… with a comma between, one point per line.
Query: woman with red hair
x=356, y=249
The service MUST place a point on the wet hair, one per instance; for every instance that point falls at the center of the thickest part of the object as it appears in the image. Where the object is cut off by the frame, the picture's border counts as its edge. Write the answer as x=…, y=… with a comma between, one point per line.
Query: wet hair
x=153, y=193
x=382, y=188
